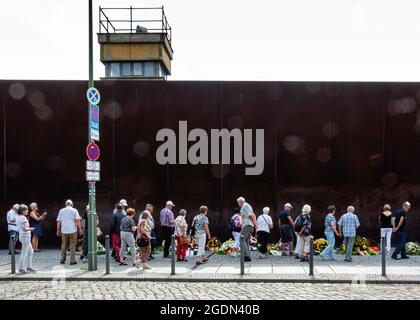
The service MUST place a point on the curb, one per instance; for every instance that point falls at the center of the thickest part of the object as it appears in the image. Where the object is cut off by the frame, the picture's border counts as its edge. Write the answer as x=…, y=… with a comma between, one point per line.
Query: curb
x=214, y=280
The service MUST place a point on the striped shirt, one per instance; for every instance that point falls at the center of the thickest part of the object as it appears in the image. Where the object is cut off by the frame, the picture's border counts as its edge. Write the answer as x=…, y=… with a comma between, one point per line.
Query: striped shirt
x=166, y=215
x=349, y=222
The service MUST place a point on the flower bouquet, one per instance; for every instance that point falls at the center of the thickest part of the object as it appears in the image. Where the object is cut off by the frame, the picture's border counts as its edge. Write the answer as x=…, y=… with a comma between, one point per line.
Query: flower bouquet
x=319, y=245
x=213, y=245
x=413, y=248
x=226, y=248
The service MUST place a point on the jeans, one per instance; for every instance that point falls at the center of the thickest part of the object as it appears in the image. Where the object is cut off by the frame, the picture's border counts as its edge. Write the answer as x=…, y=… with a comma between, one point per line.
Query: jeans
x=167, y=235
x=26, y=254
x=65, y=239
x=348, y=242
x=201, y=239
x=236, y=236
x=328, y=252
x=401, y=240
x=16, y=234
x=246, y=232
x=263, y=238
x=127, y=238
x=388, y=233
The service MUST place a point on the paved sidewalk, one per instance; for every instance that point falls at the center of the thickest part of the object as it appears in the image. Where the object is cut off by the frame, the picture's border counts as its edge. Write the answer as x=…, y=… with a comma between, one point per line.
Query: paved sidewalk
x=222, y=268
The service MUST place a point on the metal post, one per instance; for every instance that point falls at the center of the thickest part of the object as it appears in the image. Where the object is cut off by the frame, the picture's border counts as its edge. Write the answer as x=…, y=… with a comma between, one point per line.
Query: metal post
x=173, y=249
x=131, y=19
x=242, y=245
x=92, y=238
x=311, y=257
x=107, y=254
x=12, y=253
x=383, y=255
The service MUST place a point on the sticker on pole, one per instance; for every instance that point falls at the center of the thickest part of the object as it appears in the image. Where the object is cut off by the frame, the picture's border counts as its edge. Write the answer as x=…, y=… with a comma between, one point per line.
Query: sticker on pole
x=93, y=95
x=93, y=151
x=94, y=122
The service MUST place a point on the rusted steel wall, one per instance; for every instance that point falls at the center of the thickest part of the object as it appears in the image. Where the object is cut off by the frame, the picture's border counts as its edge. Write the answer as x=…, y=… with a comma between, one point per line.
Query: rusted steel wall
x=325, y=143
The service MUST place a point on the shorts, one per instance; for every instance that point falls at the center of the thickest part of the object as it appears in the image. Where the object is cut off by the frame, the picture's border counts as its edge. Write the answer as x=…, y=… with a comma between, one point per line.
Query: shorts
x=286, y=234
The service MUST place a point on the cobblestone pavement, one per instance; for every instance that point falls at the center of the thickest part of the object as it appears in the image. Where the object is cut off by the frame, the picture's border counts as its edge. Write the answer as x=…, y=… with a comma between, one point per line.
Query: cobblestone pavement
x=116, y=290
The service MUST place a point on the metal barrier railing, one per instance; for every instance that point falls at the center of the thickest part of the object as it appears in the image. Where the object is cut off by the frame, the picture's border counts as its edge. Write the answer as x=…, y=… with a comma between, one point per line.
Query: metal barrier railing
x=383, y=255
x=173, y=250
x=158, y=25
x=311, y=256
x=13, y=253
x=242, y=248
x=107, y=263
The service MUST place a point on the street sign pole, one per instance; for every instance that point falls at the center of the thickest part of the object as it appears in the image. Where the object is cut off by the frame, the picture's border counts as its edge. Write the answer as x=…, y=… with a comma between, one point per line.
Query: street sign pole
x=92, y=218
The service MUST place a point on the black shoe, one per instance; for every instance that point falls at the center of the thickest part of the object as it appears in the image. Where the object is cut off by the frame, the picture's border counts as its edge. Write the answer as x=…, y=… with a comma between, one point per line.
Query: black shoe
x=166, y=256
x=179, y=260
x=73, y=263
x=62, y=262
x=395, y=258
x=247, y=259
x=405, y=257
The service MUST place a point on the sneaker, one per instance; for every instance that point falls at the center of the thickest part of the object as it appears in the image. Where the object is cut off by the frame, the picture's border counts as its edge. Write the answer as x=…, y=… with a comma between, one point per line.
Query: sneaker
x=146, y=267
x=32, y=270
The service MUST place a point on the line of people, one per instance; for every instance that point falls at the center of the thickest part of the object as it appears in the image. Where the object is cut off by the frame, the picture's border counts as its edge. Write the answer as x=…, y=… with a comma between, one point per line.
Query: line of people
x=243, y=223
x=126, y=232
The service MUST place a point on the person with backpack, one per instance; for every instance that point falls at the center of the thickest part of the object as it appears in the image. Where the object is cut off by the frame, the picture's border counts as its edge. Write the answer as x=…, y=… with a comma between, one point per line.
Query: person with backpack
x=265, y=224
x=235, y=227
x=303, y=228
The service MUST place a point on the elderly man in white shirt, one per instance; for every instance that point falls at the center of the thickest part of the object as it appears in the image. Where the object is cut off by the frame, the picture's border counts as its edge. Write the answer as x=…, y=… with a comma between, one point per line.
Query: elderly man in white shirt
x=12, y=227
x=68, y=222
x=249, y=222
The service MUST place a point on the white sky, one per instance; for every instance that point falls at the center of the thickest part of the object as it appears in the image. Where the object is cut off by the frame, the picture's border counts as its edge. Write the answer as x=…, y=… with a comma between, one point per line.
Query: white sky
x=319, y=40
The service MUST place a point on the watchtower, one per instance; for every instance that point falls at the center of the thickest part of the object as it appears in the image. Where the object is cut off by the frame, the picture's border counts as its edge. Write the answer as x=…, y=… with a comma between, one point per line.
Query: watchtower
x=135, y=43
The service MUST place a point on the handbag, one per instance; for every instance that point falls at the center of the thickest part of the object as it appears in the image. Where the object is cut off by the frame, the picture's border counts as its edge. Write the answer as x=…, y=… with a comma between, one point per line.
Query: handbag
x=143, y=242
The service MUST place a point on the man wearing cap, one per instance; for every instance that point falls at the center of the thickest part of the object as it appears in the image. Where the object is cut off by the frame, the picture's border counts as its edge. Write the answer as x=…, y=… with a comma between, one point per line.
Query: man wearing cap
x=400, y=231
x=286, y=226
x=167, y=223
x=12, y=227
x=68, y=222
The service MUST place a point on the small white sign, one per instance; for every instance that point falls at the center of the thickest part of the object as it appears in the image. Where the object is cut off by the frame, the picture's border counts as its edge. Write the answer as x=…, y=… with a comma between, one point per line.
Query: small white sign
x=92, y=176
x=93, y=165
x=94, y=134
